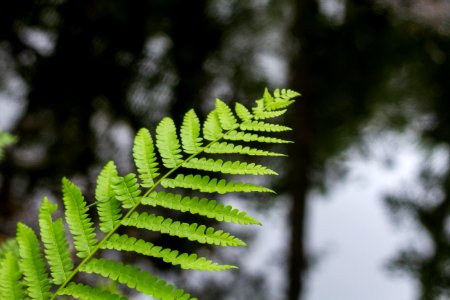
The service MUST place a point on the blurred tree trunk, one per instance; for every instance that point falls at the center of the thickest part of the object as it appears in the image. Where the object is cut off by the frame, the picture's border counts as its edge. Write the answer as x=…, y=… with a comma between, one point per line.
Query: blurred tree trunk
x=301, y=153
x=195, y=37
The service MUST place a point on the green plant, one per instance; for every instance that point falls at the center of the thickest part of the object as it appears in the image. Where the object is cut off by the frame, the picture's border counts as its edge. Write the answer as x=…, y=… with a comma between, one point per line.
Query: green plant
x=117, y=198
x=5, y=140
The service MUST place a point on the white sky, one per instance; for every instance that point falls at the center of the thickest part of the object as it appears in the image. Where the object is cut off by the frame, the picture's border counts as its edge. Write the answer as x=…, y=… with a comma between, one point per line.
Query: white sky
x=354, y=236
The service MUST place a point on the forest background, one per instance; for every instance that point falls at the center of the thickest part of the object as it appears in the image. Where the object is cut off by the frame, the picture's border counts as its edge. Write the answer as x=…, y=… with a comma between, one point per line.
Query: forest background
x=78, y=78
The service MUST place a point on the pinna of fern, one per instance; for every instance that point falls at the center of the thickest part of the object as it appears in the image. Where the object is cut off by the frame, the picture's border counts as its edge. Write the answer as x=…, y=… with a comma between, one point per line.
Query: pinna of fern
x=44, y=268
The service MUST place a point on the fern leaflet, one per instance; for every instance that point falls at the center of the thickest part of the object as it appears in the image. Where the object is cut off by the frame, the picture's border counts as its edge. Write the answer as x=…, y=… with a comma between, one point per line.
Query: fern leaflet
x=193, y=232
x=225, y=115
x=80, y=225
x=32, y=264
x=10, y=284
x=186, y=261
x=251, y=137
x=127, y=190
x=108, y=206
x=168, y=144
x=228, y=148
x=263, y=126
x=211, y=185
x=212, y=129
x=145, y=158
x=243, y=113
x=227, y=167
x=190, y=133
x=134, y=278
x=203, y=207
x=56, y=247
x=81, y=291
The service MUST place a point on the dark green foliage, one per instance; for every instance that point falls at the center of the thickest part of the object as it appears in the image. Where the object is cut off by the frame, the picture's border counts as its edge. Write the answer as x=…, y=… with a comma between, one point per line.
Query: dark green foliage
x=5, y=140
x=118, y=197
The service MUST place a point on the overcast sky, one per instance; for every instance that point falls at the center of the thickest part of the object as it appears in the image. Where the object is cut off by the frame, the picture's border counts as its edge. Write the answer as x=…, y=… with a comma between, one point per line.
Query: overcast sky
x=353, y=234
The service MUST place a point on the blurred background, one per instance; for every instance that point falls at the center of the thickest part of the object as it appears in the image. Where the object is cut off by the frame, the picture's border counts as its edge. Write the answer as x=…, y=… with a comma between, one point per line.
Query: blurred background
x=363, y=201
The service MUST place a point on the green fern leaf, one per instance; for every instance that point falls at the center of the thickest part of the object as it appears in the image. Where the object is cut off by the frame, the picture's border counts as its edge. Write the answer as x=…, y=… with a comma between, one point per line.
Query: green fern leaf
x=145, y=158
x=190, y=133
x=211, y=185
x=108, y=206
x=227, y=167
x=228, y=148
x=243, y=113
x=186, y=261
x=80, y=225
x=134, y=278
x=86, y=292
x=203, y=207
x=262, y=126
x=32, y=264
x=252, y=137
x=226, y=117
x=56, y=246
x=192, y=232
x=212, y=129
x=127, y=190
x=168, y=143
x=10, y=286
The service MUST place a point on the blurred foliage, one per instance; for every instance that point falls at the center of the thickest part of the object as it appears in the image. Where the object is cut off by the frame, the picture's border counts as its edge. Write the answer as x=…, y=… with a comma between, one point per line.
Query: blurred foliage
x=5, y=140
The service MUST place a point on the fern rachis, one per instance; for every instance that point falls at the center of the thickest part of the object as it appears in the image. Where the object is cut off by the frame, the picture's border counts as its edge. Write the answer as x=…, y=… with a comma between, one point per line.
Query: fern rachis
x=118, y=197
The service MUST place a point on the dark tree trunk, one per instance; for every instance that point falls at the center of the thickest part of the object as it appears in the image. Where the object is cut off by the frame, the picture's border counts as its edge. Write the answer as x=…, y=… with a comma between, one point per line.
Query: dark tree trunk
x=302, y=153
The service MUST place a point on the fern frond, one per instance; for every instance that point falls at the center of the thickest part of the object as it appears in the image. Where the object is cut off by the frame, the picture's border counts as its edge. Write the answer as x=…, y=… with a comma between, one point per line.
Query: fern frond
x=134, y=278
x=211, y=185
x=226, y=117
x=127, y=190
x=243, y=113
x=227, y=167
x=168, y=143
x=263, y=126
x=80, y=225
x=185, y=260
x=145, y=158
x=11, y=287
x=190, y=133
x=118, y=200
x=203, y=207
x=229, y=148
x=86, y=292
x=252, y=137
x=32, y=264
x=108, y=207
x=55, y=243
x=192, y=232
x=212, y=129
